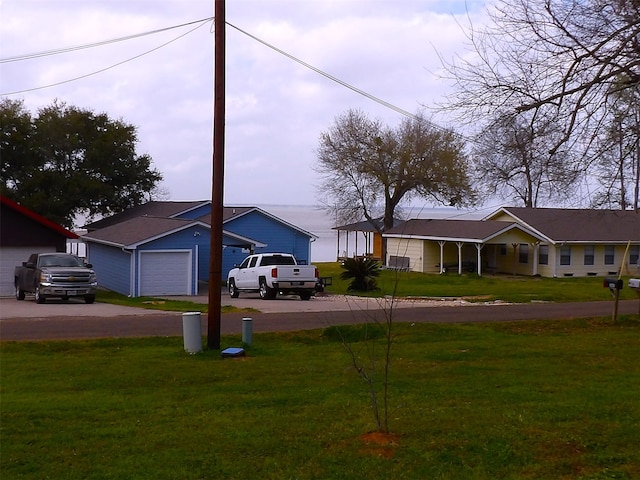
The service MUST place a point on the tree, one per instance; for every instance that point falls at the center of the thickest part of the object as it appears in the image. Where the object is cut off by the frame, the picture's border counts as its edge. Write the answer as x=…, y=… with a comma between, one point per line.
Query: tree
x=365, y=165
x=618, y=161
x=554, y=60
x=67, y=161
x=513, y=161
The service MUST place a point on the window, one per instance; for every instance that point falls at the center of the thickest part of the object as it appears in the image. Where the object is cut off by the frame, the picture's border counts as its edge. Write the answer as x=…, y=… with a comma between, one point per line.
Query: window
x=609, y=254
x=503, y=249
x=523, y=253
x=565, y=255
x=589, y=255
x=543, y=256
x=634, y=253
x=253, y=262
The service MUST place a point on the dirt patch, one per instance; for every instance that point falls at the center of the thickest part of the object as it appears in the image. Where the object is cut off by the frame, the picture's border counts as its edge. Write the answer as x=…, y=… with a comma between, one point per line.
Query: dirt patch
x=380, y=444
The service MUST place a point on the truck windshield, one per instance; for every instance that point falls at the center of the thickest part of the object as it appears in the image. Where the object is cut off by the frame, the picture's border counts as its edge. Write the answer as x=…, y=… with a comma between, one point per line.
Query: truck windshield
x=60, y=261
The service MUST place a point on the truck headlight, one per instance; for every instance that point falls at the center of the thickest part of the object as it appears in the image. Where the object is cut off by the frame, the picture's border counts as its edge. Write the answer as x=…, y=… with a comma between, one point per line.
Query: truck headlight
x=45, y=277
x=93, y=278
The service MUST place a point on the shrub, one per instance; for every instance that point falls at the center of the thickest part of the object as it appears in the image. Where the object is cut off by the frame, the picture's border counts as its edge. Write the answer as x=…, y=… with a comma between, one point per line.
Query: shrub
x=362, y=272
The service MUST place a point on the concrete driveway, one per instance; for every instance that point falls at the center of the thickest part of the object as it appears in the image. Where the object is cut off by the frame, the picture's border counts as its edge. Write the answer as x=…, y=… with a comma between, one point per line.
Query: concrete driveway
x=12, y=308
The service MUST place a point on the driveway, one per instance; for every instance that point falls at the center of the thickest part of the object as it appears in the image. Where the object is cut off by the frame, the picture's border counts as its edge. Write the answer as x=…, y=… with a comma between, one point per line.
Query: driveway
x=11, y=308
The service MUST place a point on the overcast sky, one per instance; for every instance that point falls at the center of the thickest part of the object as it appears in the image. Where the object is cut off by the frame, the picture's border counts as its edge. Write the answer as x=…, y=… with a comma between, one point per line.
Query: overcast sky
x=276, y=108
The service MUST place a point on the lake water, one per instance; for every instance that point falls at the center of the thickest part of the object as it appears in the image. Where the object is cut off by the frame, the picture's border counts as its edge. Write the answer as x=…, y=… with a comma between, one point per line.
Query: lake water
x=315, y=220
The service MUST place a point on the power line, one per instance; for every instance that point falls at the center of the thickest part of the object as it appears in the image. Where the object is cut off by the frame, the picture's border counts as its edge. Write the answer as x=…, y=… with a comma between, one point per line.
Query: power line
x=203, y=22
x=325, y=74
x=200, y=23
x=47, y=53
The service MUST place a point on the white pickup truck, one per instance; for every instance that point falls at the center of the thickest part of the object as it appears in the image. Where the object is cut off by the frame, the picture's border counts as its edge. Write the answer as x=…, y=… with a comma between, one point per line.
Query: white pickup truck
x=273, y=273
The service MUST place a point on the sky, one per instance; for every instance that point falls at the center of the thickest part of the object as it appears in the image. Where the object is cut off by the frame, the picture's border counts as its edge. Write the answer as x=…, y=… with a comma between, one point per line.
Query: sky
x=276, y=108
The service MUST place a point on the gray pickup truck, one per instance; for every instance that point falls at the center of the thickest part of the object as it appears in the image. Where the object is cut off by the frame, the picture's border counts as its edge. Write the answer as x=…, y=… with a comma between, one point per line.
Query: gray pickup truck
x=59, y=275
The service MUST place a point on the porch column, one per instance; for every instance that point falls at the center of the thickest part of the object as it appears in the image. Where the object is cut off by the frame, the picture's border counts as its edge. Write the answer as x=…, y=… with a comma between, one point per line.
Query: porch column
x=460, y=244
x=536, y=253
x=479, y=261
x=441, y=243
x=355, y=253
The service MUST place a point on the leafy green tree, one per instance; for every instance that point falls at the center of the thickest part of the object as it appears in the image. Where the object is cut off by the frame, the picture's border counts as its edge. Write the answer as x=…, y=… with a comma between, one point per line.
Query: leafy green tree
x=67, y=161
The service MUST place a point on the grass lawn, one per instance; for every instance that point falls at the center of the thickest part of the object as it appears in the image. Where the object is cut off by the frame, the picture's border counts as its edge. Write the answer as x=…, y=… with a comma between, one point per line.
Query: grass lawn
x=509, y=288
x=525, y=400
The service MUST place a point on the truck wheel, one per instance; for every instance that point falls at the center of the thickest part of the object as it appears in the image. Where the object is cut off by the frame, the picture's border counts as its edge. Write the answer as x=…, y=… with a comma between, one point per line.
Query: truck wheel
x=39, y=297
x=305, y=295
x=233, y=291
x=89, y=298
x=19, y=293
x=266, y=293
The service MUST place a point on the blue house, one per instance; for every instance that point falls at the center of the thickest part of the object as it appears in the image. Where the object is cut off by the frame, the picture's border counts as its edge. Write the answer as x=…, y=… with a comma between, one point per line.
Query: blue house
x=162, y=248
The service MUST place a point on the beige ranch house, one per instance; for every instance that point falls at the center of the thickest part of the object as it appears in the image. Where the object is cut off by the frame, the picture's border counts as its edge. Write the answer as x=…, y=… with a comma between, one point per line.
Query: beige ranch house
x=549, y=242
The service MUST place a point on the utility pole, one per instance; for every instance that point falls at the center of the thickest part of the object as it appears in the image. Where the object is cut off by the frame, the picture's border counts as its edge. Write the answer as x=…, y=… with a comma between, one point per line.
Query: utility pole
x=217, y=184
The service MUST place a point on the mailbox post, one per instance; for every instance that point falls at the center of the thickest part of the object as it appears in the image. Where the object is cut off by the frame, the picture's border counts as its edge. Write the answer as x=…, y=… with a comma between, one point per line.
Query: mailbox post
x=634, y=284
x=615, y=285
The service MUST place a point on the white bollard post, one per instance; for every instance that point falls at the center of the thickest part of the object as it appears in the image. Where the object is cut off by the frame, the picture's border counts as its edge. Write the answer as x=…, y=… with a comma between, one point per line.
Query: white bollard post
x=247, y=330
x=192, y=332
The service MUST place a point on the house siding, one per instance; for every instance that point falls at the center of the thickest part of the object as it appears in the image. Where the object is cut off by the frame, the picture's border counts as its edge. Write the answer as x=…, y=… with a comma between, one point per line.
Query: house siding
x=277, y=237
x=577, y=266
x=20, y=231
x=412, y=248
x=112, y=267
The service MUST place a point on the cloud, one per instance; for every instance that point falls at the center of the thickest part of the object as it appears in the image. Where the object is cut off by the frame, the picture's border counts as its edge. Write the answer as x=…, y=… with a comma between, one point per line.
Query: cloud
x=276, y=108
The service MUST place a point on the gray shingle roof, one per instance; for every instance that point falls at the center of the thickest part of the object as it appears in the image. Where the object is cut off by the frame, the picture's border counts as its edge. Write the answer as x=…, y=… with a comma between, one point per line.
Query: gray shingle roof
x=451, y=229
x=137, y=230
x=152, y=209
x=579, y=225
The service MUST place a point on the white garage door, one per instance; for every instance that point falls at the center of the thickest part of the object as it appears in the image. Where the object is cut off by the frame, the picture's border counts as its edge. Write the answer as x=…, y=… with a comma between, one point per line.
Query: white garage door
x=10, y=257
x=165, y=273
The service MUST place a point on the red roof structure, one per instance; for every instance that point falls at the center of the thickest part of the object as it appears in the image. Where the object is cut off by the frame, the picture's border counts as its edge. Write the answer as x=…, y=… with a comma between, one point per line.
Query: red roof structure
x=7, y=202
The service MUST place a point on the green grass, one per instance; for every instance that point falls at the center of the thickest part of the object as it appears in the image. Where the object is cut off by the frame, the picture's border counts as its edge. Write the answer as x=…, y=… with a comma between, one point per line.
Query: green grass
x=508, y=288
x=525, y=400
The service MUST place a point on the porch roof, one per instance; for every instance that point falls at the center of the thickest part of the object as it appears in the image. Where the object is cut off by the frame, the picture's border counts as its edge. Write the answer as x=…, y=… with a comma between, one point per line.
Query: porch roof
x=470, y=231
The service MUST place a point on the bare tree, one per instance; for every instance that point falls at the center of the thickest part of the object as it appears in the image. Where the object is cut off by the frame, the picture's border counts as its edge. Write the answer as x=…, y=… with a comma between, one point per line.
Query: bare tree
x=618, y=162
x=557, y=60
x=513, y=161
x=366, y=167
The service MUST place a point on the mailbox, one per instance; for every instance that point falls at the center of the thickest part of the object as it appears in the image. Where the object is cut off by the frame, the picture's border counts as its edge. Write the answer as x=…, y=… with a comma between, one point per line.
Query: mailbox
x=634, y=283
x=612, y=283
